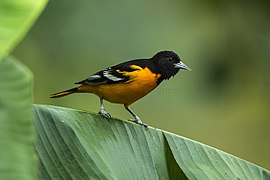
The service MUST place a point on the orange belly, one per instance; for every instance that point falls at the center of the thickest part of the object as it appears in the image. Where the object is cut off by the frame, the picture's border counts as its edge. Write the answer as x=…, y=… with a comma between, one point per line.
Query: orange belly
x=141, y=83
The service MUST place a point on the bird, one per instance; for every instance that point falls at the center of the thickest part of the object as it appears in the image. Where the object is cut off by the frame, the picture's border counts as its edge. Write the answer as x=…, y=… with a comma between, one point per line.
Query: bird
x=127, y=82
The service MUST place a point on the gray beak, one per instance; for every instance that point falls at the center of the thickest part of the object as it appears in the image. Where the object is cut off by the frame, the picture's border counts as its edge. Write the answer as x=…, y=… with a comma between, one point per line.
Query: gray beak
x=181, y=65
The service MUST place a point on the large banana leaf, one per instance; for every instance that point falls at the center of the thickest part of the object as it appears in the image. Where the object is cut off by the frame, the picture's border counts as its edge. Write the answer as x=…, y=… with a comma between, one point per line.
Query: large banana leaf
x=16, y=17
x=17, y=155
x=78, y=145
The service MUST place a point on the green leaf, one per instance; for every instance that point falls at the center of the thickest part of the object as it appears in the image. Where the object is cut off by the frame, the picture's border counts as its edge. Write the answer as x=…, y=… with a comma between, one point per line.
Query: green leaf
x=17, y=155
x=16, y=17
x=78, y=145
x=199, y=161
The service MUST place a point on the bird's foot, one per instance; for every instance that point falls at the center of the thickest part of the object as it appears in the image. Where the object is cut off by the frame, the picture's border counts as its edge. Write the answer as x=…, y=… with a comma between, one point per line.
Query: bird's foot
x=104, y=113
x=138, y=121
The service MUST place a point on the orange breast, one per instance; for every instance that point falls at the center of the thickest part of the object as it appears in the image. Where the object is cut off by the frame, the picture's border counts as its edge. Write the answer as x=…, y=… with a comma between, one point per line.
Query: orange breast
x=142, y=81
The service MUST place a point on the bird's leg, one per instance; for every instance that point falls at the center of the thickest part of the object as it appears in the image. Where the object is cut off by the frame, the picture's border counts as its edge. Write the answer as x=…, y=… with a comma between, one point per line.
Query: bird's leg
x=136, y=118
x=102, y=110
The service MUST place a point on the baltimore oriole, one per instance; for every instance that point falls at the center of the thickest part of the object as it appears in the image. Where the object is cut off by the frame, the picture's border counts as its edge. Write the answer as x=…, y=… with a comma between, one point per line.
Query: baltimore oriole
x=127, y=82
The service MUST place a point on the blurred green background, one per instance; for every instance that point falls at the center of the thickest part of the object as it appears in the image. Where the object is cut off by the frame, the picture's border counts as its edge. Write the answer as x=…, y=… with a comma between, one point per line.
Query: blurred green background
x=223, y=102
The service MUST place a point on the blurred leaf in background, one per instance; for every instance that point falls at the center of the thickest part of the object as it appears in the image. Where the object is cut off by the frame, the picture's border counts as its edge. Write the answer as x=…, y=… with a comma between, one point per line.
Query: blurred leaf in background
x=17, y=136
x=16, y=17
x=17, y=154
x=223, y=102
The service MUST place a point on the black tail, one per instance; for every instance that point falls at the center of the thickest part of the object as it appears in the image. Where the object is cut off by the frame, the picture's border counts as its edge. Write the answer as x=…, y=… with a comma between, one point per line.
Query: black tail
x=64, y=93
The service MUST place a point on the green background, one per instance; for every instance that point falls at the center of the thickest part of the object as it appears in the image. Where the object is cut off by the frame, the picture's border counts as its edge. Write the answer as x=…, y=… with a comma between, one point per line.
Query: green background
x=223, y=102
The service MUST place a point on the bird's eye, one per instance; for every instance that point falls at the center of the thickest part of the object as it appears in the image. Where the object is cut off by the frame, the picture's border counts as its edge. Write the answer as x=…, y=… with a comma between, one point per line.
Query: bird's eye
x=170, y=59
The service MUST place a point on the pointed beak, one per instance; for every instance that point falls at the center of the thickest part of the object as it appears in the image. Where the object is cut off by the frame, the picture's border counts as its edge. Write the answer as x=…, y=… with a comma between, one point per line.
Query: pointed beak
x=181, y=65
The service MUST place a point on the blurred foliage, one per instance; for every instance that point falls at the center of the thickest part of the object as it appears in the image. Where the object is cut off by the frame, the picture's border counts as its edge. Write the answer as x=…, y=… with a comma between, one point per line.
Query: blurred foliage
x=223, y=102
x=17, y=155
x=17, y=135
x=16, y=17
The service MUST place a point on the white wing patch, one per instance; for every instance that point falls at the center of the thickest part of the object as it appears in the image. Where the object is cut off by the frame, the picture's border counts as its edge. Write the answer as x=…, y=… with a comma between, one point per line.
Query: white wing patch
x=107, y=74
x=96, y=76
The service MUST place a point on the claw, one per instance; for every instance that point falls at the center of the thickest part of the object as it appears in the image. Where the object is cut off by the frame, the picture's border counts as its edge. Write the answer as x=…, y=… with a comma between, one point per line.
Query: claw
x=136, y=118
x=104, y=113
x=139, y=122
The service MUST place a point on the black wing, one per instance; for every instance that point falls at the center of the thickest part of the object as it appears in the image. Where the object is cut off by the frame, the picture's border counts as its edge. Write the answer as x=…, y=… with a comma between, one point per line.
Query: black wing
x=113, y=74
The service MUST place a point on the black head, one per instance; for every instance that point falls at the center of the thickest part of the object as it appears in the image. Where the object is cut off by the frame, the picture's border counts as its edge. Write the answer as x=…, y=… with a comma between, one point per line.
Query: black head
x=168, y=63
